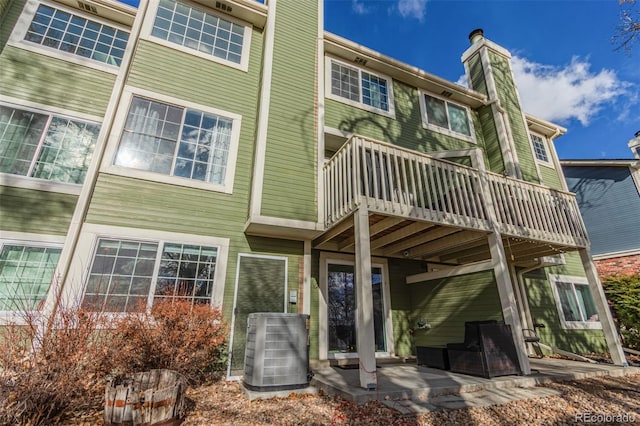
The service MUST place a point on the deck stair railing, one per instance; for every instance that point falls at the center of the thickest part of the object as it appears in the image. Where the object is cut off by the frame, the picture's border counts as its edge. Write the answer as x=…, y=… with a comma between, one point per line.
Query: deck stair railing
x=400, y=182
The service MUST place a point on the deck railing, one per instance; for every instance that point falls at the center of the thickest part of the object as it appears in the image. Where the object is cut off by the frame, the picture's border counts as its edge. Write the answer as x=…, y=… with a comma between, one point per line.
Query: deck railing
x=396, y=181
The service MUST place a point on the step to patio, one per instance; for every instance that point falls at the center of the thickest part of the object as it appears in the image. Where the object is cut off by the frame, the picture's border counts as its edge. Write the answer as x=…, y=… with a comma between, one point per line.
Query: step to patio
x=479, y=398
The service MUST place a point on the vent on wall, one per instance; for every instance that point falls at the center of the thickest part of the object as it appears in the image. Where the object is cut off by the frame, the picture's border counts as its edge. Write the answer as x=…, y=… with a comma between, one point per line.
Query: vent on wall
x=360, y=61
x=446, y=93
x=223, y=6
x=88, y=7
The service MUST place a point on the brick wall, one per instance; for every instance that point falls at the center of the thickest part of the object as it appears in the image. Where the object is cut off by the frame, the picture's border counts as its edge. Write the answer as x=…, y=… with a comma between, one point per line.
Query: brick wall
x=623, y=265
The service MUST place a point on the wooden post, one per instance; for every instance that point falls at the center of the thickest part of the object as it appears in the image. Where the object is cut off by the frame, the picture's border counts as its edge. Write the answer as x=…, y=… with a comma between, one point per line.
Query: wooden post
x=604, y=314
x=364, y=299
x=507, y=298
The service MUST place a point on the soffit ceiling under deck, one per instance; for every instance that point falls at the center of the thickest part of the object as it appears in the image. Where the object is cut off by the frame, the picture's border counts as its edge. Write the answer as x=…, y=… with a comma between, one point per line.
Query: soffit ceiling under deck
x=402, y=238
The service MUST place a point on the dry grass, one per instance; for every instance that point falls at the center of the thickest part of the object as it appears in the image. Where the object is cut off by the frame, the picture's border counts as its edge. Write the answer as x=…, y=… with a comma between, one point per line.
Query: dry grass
x=226, y=404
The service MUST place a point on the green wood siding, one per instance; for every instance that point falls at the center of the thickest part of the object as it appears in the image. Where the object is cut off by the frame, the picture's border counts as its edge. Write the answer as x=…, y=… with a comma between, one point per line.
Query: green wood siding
x=4, y=7
x=402, y=304
x=168, y=71
x=123, y=201
x=508, y=95
x=550, y=177
x=543, y=310
x=493, y=153
x=38, y=212
x=476, y=75
x=447, y=303
x=9, y=12
x=46, y=80
x=572, y=266
x=289, y=184
x=405, y=131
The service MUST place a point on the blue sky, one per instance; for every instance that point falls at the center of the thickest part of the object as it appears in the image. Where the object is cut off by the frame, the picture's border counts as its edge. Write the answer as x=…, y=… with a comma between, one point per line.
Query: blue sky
x=564, y=61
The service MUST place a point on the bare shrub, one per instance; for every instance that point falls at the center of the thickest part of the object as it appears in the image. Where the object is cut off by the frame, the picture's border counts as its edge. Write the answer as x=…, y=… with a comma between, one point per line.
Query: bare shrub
x=46, y=377
x=43, y=375
x=174, y=335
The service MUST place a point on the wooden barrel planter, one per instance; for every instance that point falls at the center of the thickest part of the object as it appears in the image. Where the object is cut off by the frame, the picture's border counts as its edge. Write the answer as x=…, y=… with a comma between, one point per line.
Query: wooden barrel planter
x=153, y=397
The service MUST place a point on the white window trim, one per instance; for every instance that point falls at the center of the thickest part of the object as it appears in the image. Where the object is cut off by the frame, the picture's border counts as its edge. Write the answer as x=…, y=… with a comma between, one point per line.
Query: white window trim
x=323, y=313
x=24, y=21
x=31, y=240
x=147, y=27
x=545, y=143
x=116, y=134
x=78, y=275
x=391, y=113
x=425, y=122
x=571, y=325
x=27, y=182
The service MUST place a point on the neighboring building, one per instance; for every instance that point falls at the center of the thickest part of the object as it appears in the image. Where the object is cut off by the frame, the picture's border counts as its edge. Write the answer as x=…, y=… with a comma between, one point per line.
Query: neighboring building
x=235, y=153
x=608, y=194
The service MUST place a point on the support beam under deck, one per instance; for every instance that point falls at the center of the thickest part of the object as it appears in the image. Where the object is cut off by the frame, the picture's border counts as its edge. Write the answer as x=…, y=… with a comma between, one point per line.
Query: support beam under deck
x=604, y=314
x=364, y=299
x=507, y=299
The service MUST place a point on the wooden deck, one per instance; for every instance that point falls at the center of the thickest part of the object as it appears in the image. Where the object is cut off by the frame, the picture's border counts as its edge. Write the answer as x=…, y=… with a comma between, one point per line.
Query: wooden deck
x=422, y=207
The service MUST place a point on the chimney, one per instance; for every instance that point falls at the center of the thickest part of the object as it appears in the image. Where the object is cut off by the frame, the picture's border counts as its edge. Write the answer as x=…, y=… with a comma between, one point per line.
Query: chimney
x=476, y=35
x=634, y=145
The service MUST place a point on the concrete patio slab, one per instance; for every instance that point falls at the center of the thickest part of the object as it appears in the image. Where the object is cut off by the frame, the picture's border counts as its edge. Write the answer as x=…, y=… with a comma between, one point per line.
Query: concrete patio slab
x=432, y=389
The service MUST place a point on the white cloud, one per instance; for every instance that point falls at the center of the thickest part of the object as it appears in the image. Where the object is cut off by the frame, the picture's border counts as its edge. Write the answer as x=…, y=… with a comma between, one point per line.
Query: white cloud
x=569, y=92
x=359, y=8
x=412, y=8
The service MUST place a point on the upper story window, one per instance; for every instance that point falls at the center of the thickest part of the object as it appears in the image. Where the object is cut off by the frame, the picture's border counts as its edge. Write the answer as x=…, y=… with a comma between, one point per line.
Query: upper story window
x=358, y=87
x=45, y=146
x=58, y=29
x=540, y=148
x=574, y=302
x=202, y=33
x=26, y=272
x=127, y=275
x=446, y=117
x=175, y=141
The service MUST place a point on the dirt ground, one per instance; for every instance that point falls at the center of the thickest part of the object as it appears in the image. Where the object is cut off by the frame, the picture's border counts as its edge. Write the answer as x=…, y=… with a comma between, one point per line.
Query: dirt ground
x=602, y=400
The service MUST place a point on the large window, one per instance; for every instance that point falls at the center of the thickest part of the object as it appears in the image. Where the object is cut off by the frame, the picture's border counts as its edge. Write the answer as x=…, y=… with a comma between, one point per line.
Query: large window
x=127, y=275
x=45, y=146
x=357, y=86
x=575, y=303
x=26, y=272
x=198, y=30
x=175, y=141
x=58, y=29
x=442, y=115
x=540, y=148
